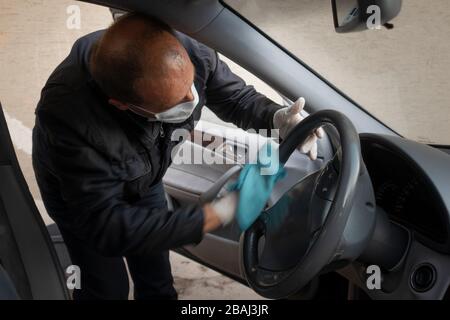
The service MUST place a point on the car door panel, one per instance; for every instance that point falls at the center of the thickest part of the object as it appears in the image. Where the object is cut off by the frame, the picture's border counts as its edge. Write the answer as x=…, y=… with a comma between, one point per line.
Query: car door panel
x=185, y=183
x=26, y=251
x=7, y=288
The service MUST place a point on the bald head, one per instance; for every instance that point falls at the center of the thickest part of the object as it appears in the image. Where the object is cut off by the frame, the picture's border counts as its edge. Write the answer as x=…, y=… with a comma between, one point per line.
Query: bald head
x=138, y=60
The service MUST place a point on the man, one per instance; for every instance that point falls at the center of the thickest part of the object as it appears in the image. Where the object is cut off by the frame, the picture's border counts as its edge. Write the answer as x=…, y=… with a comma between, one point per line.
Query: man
x=101, y=145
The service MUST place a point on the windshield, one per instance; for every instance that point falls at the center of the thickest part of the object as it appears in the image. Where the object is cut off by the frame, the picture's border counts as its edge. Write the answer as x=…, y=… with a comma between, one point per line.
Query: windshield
x=401, y=75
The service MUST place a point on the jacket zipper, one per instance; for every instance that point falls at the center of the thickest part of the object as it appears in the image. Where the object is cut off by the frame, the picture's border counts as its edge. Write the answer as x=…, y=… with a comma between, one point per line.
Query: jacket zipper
x=161, y=131
x=164, y=157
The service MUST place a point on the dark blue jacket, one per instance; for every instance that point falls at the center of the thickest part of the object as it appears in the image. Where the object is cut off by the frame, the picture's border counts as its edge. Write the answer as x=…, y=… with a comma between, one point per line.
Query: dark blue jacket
x=95, y=165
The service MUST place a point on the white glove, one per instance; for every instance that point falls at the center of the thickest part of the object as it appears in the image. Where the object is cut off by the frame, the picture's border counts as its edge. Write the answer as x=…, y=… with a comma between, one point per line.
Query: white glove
x=287, y=118
x=225, y=207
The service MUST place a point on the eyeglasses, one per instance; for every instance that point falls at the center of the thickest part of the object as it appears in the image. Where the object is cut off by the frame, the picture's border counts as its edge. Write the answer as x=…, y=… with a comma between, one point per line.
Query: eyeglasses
x=142, y=111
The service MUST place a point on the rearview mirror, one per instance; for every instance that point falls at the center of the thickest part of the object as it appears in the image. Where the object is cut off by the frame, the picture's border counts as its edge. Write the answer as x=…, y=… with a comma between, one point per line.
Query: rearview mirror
x=360, y=15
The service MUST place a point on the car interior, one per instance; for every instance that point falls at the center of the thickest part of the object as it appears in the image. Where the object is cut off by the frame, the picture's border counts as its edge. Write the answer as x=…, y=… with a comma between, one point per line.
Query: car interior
x=373, y=197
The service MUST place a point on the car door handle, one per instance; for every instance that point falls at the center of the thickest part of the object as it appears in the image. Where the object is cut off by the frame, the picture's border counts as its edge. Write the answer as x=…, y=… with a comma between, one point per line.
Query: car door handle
x=212, y=192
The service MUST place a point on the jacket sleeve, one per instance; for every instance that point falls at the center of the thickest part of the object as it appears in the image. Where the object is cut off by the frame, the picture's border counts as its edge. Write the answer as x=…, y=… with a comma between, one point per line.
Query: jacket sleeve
x=97, y=213
x=232, y=100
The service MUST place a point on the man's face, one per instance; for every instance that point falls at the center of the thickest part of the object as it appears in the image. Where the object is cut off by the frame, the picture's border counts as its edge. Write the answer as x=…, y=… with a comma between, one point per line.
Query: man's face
x=168, y=89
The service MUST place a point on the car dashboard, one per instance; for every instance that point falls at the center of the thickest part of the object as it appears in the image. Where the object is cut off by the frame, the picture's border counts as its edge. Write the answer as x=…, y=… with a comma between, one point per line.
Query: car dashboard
x=405, y=191
x=411, y=182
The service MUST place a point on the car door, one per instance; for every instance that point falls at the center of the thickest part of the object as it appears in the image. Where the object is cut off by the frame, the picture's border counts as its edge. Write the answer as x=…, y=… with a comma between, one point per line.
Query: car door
x=29, y=265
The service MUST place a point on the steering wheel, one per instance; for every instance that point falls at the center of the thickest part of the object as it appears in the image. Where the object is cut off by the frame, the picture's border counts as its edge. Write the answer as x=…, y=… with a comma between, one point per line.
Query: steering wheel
x=314, y=215
x=324, y=221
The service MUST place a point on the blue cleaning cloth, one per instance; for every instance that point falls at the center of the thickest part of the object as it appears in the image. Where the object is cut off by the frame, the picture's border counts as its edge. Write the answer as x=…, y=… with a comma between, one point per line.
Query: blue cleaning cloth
x=255, y=185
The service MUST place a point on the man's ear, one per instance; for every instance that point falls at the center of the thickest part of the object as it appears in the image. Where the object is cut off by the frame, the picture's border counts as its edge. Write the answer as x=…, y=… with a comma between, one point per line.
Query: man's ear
x=119, y=105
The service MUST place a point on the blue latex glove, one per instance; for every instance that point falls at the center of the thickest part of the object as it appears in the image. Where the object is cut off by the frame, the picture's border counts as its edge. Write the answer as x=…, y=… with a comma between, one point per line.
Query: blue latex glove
x=255, y=188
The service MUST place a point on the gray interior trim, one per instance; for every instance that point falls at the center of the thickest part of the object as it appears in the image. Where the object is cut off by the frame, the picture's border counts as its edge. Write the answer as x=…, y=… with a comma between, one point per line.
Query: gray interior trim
x=7, y=289
x=42, y=269
x=418, y=254
x=39, y=261
x=434, y=162
x=430, y=164
x=228, y=259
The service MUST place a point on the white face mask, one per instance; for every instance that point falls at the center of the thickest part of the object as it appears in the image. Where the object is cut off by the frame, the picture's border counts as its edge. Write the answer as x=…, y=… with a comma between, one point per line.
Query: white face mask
x=177, y=114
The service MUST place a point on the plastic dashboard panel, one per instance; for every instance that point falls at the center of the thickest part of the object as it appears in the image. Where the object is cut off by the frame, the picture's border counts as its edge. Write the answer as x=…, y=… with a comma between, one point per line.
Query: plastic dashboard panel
x=433, y=167
x=427, y=165
x=401, y=280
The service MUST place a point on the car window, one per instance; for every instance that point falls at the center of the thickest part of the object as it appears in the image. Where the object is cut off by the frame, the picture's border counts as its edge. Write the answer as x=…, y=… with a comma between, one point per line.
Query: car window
x=399, y=75
x=250, y=79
